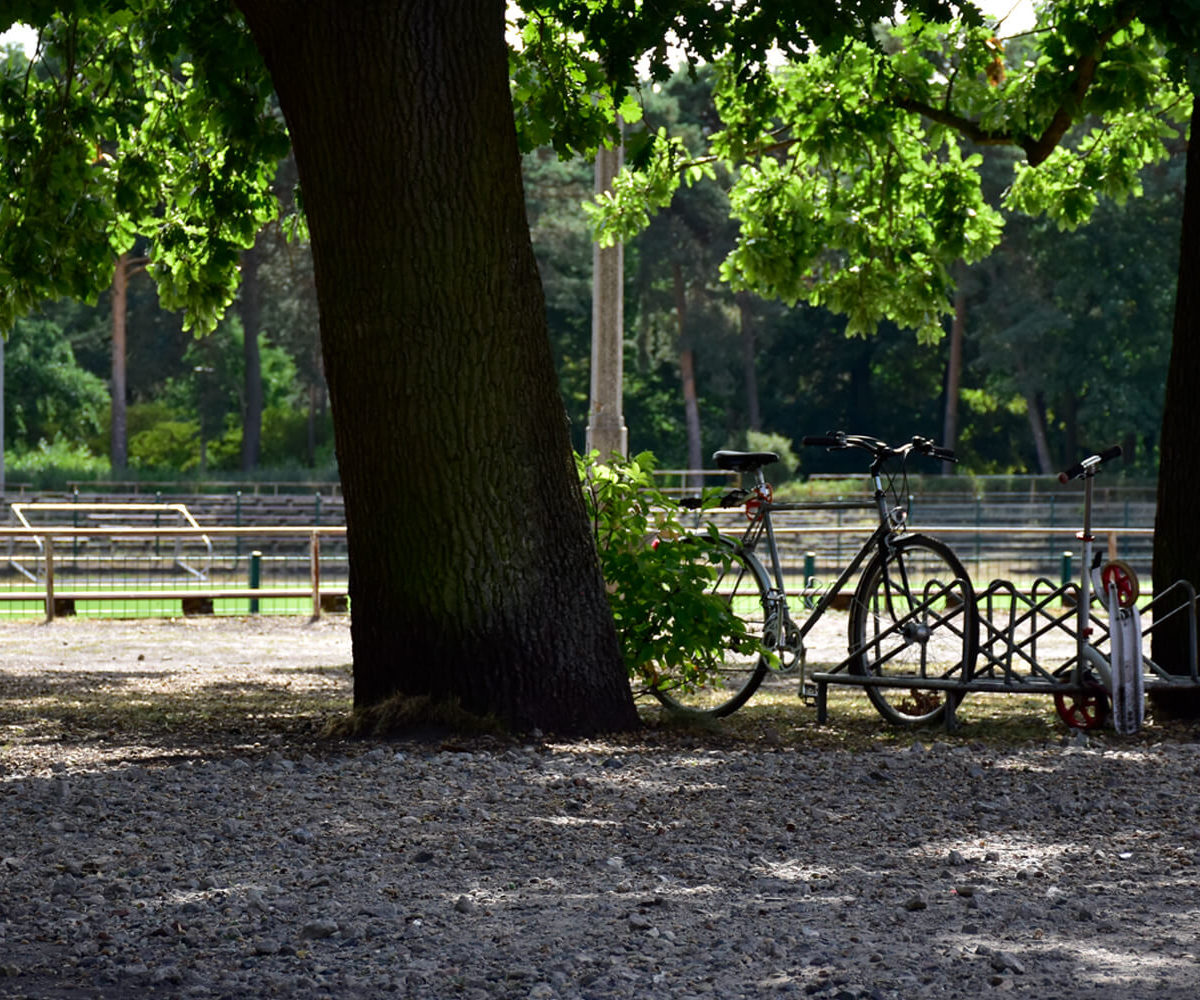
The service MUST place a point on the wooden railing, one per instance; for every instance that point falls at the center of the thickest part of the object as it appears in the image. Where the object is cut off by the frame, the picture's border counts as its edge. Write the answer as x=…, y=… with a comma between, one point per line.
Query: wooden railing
x=50, y=540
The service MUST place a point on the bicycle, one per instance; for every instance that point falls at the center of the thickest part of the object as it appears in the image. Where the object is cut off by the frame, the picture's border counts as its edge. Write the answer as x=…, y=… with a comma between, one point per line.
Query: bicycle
x=912, y=612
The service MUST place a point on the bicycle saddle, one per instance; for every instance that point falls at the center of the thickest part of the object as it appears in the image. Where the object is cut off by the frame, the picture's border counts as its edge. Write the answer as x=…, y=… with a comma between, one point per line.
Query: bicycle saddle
x=744, y=461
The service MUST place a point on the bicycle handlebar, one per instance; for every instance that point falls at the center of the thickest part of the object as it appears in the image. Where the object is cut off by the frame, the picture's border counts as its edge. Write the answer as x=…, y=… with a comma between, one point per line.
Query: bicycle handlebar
x=880, y=449
x=1089, y=464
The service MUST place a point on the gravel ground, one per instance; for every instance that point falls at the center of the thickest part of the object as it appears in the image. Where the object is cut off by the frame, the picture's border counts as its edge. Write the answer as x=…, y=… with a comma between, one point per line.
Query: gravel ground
x=262, y=861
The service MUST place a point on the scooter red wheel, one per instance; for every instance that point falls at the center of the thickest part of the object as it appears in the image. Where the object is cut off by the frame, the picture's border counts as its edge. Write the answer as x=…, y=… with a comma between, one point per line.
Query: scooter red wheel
x=1086, y=709
x=1118, y=573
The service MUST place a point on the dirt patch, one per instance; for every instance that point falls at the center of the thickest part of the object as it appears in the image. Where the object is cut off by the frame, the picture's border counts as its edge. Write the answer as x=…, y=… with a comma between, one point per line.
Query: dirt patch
x=92, y=689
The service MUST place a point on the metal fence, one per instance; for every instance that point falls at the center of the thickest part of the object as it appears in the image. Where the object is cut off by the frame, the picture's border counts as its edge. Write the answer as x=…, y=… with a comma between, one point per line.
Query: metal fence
x=133, y=571
x=813, y=554
x=287, y=555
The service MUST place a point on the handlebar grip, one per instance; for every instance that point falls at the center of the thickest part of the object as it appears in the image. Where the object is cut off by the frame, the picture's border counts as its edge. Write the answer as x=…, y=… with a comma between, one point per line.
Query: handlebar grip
x=927, y=447
x=1077, y=470
x=821, y=441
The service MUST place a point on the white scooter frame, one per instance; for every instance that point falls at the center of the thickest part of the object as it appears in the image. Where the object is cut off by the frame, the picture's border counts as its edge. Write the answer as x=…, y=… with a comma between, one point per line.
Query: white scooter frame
x=1122, y=671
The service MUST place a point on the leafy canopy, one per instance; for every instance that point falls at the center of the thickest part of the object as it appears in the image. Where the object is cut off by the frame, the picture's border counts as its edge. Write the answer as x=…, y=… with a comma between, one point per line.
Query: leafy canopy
x=857, y=187
x=843, y=122
x=132, y=118
x=155, y=119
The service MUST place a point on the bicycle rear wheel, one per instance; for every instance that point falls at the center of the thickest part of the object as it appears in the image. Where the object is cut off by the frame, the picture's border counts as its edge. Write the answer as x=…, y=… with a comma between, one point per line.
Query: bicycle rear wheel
x=914, y=616
x=742, y=584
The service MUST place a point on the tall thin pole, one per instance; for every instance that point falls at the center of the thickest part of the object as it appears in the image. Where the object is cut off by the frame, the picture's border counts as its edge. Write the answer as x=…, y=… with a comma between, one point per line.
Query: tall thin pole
x=606, y=430
x=119, y=454
x=2, y=486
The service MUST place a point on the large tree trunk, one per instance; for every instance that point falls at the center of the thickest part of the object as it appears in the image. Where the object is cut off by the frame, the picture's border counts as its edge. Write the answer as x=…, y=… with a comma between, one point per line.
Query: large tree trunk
x=1176, y=527
x=250, y=309
x=473, y=575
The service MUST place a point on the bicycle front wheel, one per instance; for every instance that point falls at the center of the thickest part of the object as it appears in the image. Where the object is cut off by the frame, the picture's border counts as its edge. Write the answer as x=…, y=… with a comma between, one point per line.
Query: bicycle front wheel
x=741, y=583
x=914, y=616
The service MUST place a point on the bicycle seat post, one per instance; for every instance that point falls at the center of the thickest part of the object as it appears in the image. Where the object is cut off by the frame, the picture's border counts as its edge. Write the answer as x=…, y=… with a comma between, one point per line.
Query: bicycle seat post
x=764, y=491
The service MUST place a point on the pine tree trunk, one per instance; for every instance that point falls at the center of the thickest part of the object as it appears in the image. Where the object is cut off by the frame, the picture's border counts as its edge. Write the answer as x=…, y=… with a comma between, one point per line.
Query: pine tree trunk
x=1176, y=526
x=749, y=361
x=687, y=377
x=250, y=309
x=118, y=448
x=1035, y=411
x=954, y=370
x=473, y=574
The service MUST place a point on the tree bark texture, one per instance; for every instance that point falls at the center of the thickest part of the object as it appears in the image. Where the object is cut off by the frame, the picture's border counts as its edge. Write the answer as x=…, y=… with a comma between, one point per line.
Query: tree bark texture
x=473, y=576
x=1176, y=526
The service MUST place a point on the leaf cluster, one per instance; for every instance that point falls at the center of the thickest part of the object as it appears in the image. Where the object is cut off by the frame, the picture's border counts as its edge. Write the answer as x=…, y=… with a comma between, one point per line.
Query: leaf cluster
x=576, y=63
x=658, y=573
x=855, y=184
x=140, y=118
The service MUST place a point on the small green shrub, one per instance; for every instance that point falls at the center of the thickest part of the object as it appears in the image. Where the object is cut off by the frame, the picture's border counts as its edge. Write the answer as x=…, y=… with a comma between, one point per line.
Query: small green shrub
x=51, y=464
x=658, y=574
x=168, y=444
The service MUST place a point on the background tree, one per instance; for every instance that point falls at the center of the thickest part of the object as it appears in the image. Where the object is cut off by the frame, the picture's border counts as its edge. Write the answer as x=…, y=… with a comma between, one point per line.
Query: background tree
x=684, y=308
x=48, y=396
x=555, y=190
x=125, y=268
x=250, y=311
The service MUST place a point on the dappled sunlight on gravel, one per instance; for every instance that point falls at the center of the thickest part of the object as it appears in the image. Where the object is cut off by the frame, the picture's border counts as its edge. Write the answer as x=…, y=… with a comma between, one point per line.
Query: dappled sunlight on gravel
x=175, y=826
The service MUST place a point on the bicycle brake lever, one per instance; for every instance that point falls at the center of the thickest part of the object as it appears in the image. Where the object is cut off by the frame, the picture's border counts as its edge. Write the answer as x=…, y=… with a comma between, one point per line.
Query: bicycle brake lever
x=927, y=447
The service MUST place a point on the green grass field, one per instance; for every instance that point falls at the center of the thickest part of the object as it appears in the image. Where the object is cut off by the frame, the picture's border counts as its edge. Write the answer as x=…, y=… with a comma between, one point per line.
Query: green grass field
x=35, y=607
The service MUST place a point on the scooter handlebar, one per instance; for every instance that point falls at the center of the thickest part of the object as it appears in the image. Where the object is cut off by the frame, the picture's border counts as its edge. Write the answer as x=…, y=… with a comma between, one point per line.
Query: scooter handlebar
x=1088, y=464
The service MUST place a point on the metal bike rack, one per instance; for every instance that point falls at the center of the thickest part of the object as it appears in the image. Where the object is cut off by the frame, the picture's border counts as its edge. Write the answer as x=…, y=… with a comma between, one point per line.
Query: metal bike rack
x=1012, y=625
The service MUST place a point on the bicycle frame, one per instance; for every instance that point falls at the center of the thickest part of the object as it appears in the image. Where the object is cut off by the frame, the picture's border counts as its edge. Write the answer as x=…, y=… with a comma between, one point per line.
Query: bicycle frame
x=785, y=634
x=888, y=624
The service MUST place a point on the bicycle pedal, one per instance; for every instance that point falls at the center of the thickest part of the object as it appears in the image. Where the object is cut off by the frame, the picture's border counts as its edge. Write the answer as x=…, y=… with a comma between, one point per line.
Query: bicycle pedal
x=808, y=694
